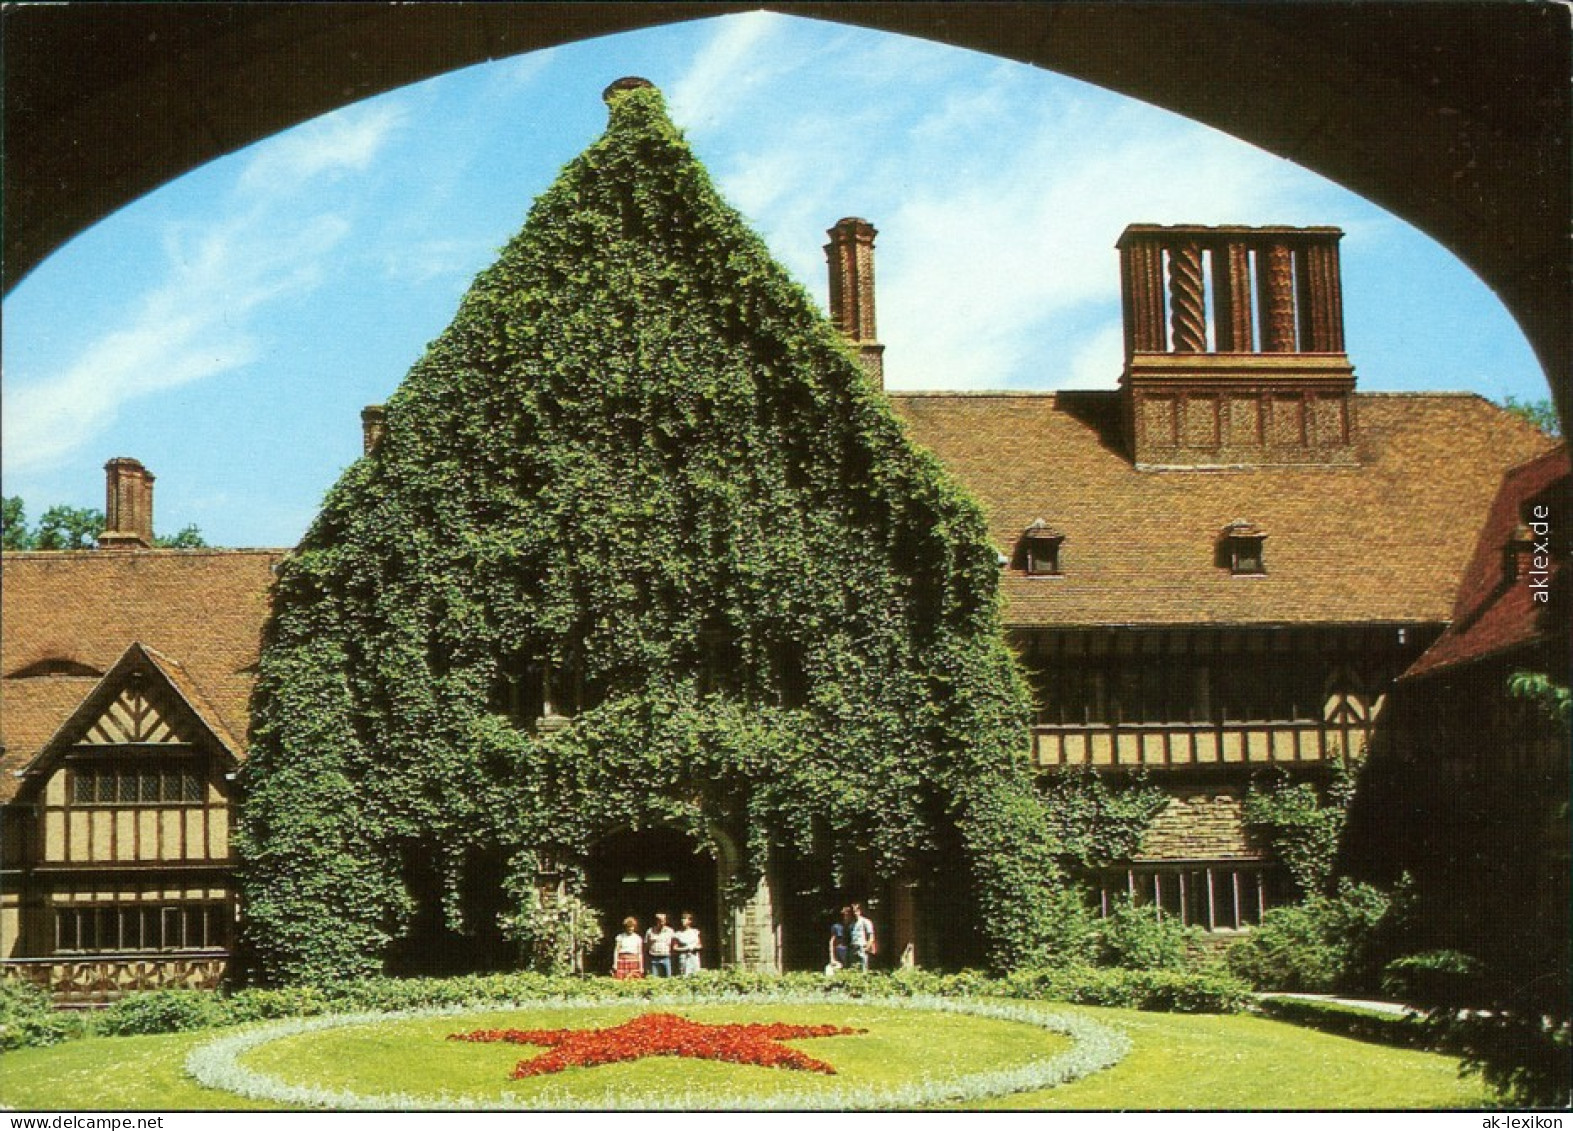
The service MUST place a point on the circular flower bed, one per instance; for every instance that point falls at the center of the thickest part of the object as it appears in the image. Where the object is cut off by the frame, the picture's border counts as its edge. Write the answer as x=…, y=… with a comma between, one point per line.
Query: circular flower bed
x=220, y=1063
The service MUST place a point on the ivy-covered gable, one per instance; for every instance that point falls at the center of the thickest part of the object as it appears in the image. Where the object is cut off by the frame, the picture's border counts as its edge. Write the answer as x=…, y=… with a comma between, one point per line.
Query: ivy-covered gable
x=640, y=545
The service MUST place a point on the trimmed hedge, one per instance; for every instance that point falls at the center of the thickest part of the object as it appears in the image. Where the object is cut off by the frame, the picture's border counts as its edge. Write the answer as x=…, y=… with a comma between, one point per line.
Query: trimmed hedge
x=169, y=1011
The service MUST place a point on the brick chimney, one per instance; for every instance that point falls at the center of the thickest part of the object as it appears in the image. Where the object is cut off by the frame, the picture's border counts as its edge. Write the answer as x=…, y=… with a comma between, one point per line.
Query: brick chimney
x=1206, y=385
x=850, y=253
x=373, y=423
x=128, y=506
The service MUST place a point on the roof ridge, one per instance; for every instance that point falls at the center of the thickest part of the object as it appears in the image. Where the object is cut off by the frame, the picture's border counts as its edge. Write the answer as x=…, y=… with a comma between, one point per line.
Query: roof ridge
x=121, y=555
x=1407, y=394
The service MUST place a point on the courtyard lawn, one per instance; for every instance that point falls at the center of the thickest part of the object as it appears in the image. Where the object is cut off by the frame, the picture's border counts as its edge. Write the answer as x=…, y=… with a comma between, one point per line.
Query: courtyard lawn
x=1235, y=1062
x=899, y=1045
x=1177, y=1061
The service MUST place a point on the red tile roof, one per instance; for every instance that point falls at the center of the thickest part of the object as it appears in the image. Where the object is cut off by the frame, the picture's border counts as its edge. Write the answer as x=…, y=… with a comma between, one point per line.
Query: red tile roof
x=1382, y=542
x=1494, y=612
x=204, y=609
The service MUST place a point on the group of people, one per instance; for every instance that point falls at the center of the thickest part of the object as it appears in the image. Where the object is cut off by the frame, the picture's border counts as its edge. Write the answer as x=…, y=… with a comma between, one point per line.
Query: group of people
x=654, y=952
x=662, y=952
x=852, y=941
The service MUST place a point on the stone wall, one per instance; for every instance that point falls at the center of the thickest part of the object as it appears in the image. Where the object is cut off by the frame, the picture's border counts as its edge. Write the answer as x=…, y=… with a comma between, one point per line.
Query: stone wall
x=1200, y=824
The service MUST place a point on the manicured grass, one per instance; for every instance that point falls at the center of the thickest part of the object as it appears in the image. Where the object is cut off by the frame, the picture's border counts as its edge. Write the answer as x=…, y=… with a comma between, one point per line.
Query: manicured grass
x=1200, y=1061
x=415, y=1058
x=1178, y=1061
x=111, y=1074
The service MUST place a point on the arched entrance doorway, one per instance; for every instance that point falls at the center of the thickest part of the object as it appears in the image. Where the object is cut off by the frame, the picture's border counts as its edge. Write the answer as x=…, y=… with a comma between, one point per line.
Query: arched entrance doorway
x=640, y=872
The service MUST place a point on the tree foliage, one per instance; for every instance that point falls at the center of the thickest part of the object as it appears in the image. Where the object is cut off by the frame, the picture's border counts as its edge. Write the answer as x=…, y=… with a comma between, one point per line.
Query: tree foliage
x=73, y=528
x=14, y=534
x=641, y=467
x=1553, y=700
x=188, y=537
x=68, y=528
x=1541, y=413
x=60, y=528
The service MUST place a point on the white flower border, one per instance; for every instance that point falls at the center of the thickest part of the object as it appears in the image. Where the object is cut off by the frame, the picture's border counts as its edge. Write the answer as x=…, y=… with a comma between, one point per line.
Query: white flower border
x=216, y=1064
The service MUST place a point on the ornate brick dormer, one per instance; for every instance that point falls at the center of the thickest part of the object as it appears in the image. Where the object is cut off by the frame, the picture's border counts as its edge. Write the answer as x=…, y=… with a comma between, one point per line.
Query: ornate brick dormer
x=1234, y=347
x=850, y=253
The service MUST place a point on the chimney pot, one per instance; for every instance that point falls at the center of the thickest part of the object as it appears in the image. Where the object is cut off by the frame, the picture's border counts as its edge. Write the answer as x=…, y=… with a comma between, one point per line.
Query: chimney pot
x=373, y=425
x=628, y=82
x=128, y=506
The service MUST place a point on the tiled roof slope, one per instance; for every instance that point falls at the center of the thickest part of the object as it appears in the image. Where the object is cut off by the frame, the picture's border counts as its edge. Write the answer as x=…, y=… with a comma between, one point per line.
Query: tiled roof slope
x=203, y=608
x=1494, y=613
x=1385, y=541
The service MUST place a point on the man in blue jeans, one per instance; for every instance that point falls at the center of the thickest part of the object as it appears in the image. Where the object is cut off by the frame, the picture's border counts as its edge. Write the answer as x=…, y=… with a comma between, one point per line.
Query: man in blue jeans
x=860, y=938
x=658, y=947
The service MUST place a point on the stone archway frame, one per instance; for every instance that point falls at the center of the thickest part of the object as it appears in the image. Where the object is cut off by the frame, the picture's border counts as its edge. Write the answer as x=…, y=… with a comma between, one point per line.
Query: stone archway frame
x=750, y=927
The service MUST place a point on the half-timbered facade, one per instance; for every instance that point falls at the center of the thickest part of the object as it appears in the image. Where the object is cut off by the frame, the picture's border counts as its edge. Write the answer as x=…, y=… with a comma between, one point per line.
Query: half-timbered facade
x=124, y=680
x=1215, y=572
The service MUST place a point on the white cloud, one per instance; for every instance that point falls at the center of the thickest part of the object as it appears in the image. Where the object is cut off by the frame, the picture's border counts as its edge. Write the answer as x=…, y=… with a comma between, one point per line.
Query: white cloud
x=193, y=326
x=420, y=262
x=342, y=141
x=999, y=193
x=194, y=322
x=522, y=70
x=978, y=264
x=730, y=65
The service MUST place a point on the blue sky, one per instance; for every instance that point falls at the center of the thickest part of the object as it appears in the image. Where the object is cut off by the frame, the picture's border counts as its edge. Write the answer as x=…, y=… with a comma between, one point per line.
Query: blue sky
x=227, y=329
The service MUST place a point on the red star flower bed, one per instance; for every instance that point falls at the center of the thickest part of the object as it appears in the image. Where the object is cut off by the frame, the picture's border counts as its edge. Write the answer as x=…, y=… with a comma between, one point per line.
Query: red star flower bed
x=663, y=1034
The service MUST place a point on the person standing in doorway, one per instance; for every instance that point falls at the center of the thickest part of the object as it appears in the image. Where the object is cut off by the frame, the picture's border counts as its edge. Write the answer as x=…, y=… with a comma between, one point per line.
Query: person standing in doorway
x=839, y=932
x=628, y=952
x=686, y=944
x=658, y=944
x=860, y=939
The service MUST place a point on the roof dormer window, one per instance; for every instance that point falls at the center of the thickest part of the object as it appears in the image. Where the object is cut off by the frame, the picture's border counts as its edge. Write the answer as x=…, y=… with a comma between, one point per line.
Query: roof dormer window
x=1240, y=547
x=1038, y=552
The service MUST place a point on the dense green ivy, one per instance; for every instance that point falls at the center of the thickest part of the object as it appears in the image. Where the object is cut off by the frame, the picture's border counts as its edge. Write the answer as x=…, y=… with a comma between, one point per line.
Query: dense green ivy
x=1303, y=824
x=1095, y=820
x=639, y=458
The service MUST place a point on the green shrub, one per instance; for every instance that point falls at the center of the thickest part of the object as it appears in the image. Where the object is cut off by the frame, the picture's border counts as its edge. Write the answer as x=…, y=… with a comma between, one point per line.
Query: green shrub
x=28, y=1017
x=1139, y=938
x=1328, y=944
x=267, y=1005
x=554, y=932
x=1435, y=975
x=1164, y=991
x=161, y=1011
